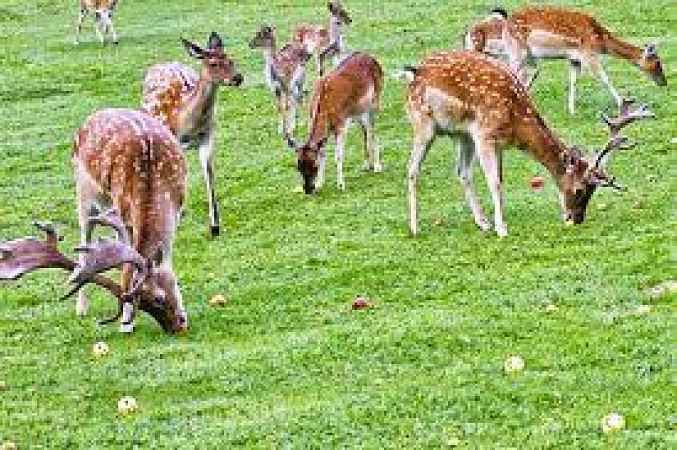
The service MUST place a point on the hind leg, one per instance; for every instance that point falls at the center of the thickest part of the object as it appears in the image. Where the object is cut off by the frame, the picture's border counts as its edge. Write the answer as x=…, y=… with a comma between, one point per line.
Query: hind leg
x=86, y=197
x=466, y=157
x=371, y=150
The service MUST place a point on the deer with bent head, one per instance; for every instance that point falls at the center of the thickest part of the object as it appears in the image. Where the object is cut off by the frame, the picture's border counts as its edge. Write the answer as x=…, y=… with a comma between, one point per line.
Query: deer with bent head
x=322, y=42
x=128, y=160
x=541, y=32
x=103, y=15
x=285, y=73
x=186, y=103
x=351, y=91
x=481, y=101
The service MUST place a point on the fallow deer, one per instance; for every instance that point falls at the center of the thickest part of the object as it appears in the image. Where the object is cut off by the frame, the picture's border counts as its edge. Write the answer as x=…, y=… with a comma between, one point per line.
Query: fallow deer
x=487, y=35
x=351, y=91
x=103, y=15
x=129, y=160
x=549, y=32
x=482, y=102
x=322, y=42
x=285, y=73
x=186, y=103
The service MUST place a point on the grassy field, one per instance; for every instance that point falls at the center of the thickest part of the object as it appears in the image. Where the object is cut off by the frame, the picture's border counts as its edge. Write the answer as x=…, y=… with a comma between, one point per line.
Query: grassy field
x=287, y=363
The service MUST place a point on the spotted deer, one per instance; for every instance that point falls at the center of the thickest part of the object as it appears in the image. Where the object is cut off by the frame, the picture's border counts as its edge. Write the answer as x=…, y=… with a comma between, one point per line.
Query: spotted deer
x=285, y=73
x=487, y=35
x=186, y=102
x=128, y=160
x=103, y=11
x=324, y=42
x=480, y=101
x=537, y=32
x=351, y=91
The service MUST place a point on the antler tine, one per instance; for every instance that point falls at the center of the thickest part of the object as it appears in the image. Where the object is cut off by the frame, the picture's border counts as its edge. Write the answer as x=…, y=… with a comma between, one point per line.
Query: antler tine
x=627, y=116
x=111, y=218
x=616, y=142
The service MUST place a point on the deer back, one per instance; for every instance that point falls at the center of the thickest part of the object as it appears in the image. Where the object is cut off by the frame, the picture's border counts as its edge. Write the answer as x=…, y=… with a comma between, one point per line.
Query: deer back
x=137, y=164
x=350, y=89
x=579, y=29
x=165, y=89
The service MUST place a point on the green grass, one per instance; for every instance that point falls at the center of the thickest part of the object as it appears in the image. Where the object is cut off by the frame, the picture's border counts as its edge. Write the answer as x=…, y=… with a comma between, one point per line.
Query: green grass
x=287, y=363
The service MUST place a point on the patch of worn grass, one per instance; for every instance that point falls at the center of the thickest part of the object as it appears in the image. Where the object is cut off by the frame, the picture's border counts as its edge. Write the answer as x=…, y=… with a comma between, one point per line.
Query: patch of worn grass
x=287, y=363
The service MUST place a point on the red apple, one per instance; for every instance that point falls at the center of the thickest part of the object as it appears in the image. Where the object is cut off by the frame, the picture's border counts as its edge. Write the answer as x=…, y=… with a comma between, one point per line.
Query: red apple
x=362, y=303
x=537, y=183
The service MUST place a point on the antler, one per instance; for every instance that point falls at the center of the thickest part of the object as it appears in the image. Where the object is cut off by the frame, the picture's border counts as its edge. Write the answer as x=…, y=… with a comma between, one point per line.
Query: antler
x=616, y=124
x=26, y=255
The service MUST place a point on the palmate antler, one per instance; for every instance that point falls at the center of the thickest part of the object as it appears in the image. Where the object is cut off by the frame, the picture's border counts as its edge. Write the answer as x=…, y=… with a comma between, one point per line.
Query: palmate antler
x=22, y=256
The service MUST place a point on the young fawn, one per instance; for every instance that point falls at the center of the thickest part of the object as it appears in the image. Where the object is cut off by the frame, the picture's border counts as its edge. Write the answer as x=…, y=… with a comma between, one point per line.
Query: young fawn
x=186, y=103
x=285, y=73
x=481, y=101
x=103, y=15
x=537, y=33
x=351, y=91
x=128, y=160
x=322, y=42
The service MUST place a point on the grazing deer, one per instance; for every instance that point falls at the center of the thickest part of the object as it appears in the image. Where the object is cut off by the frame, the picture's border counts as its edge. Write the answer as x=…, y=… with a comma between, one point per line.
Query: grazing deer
x=285, y=73
x=103, y=15
x=130, y=161
x=186, y=103
x=548, y=32
x=351, y=91
x=325, y=43
x=482, y=102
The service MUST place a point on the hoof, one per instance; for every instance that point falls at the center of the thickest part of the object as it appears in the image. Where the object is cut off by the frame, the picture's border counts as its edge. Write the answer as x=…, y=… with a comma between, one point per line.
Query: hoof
x=126, y=328
x=216, y=230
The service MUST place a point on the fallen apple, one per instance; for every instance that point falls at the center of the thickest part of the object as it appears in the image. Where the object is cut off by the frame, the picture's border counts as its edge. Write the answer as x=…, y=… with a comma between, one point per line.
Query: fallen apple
x=551, y=308
x=127, y=405
x=513, y=364
x=100, y=349
x=537, y=183
x=9, y=445
x=218, y=300
x=612, y=422
x=362, y=303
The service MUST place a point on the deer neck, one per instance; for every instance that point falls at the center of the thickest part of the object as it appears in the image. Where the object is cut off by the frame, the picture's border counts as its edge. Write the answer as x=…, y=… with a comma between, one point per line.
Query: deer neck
x=622, y=49
x=198, y=105
x=535, y=137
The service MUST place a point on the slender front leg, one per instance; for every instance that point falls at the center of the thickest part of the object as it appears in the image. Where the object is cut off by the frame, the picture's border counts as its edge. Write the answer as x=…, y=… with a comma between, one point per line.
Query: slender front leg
x=279, y=105
x=127, y=319
x=85, y=196
x=466, y=156
x=423, y=136
x=113, y=33
x=597, y=69
x=207, y=162
x=78, y=28
x=574, y=72
x=340, y=147
x=99, y=30
x=490, y=160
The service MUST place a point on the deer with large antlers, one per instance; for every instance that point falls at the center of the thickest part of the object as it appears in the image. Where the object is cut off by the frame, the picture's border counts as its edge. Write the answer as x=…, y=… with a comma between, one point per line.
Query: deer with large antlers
x=103, y=16
x=537, y=32
x=351, y=91
x=186, y=103
x=322, y=42
x=482, y=102
x=130, y=161
x=285, y=73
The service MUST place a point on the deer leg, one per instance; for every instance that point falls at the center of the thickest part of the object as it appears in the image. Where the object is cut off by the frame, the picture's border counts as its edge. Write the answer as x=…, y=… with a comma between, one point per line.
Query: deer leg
x=424, y=134
x=207, y=163
x=490, y=159
x=372, y=159
x=596, y=68
x=86, y=202
x=466, y=157
x=78, y=27
x=574, y=72
x=279, y=104
x=113, y=33
x=127, y=320
x=341, y=134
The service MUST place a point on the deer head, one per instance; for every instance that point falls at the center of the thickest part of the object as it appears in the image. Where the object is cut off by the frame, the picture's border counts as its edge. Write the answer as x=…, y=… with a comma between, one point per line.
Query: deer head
x=264, y=38
x=308, y=163
x=650, y=63
x=217, y=67
x=583, y=175
x=338, y=13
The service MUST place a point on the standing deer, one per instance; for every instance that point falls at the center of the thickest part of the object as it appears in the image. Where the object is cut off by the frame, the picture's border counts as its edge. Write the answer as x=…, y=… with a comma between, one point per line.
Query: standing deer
x=325, y=43
x=130, y=161
x=103, y=15
x=186, y=103
x=487, y=35
x=482, y=102
x=351, y=91
x=285, y=73
x=537, y=33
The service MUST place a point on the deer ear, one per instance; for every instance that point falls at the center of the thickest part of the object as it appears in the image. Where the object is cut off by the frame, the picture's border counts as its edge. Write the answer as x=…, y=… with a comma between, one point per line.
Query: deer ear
x=650, y=51
x=193, y=50
x=215, y=42
x=332, y=7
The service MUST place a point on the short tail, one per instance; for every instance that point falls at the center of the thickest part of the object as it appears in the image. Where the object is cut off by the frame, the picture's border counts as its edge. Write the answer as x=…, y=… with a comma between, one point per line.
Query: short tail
x=407, y=73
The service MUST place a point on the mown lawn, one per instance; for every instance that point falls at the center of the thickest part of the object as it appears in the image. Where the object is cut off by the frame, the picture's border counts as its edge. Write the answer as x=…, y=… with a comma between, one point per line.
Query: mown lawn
x=287, y=363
